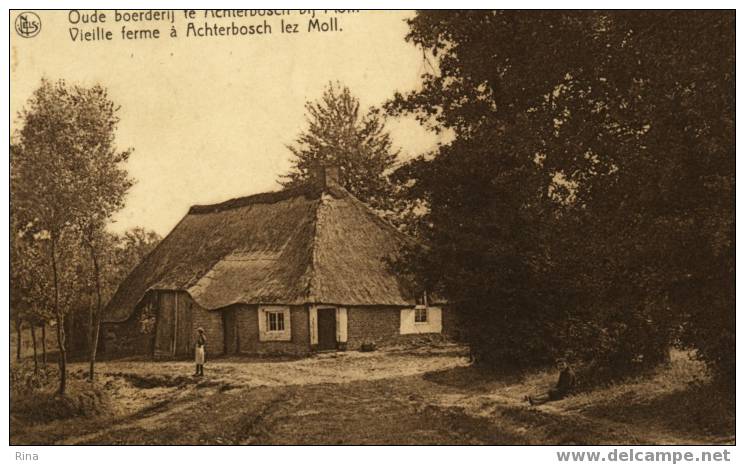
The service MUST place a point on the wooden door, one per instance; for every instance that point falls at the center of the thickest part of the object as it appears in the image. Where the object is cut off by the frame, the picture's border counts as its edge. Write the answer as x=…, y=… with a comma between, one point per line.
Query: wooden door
x=183, y=326
x=230, y=333
x=326, y=329
x=164, y=324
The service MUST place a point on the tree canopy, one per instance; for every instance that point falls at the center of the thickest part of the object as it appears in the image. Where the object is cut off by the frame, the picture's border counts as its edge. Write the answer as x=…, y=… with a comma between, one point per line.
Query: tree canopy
x=338, y=133
x=586, y=204
x=67, y=179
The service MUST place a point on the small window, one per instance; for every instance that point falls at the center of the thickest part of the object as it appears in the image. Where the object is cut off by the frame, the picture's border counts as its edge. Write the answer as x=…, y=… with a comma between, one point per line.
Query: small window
x=275, y=321
x=420, y=315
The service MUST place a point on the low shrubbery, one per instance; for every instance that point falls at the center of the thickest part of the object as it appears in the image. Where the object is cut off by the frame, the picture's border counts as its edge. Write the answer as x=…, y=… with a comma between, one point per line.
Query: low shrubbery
x=34, y=396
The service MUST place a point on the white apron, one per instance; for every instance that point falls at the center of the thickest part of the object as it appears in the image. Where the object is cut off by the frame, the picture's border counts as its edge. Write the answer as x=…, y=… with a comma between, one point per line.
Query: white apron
x=199, y=355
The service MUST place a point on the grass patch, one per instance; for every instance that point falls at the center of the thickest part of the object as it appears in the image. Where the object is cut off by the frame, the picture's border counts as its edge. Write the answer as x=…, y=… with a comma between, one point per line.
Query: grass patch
x=34, y=397
x=80, y=400
x=676, y=401
x=353, y=398
x=154, y=381
x=550, y=428
x=697, y=409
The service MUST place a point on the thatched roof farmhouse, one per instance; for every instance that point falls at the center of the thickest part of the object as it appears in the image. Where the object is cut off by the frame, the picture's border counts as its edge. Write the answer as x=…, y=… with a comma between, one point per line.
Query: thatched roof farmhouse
x=297, y=270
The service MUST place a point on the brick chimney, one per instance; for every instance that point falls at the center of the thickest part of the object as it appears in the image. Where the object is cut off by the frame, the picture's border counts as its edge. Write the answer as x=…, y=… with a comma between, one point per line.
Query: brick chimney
x=332, y=174
x=325, y=174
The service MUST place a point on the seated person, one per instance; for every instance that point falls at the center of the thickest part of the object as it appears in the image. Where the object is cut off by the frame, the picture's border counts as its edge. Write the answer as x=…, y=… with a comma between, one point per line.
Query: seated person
x=565, y=384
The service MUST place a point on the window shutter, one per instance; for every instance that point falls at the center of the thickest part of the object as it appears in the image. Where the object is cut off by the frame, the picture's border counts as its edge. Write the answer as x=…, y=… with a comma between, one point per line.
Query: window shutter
x=313, y=323
x=341, y=325
x=261, y=316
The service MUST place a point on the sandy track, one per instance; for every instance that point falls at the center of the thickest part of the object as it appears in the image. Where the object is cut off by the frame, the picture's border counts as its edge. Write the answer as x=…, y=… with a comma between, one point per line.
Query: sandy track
x=422, y=396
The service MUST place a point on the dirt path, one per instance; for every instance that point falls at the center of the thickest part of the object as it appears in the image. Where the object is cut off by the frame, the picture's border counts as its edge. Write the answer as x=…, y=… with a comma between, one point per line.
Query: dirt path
x=358, y=412
x=380, y=398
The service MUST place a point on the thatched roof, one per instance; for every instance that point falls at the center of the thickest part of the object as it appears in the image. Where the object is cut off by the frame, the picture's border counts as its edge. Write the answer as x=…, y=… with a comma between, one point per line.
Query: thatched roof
x=306, y=245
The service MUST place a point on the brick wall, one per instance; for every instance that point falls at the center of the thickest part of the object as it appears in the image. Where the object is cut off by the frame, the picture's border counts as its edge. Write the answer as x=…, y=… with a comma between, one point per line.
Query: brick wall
x=364, y=324
x=382, y=325
x=372, y=324
x=248, y=332
x=211, y=321
x=128, y=338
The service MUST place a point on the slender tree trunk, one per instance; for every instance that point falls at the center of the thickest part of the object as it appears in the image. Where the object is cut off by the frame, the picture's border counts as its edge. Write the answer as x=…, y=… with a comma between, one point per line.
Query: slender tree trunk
x=60, y=323
x=95, y=319
x=68, y=319
x=91, y=313
x=33, y=344
x=19, y=338
x=44, y=344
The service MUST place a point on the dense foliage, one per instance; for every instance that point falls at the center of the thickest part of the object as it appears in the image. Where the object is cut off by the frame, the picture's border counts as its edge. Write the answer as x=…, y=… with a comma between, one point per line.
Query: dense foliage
x=339, y=135
x=586, y=203
x=67, y=179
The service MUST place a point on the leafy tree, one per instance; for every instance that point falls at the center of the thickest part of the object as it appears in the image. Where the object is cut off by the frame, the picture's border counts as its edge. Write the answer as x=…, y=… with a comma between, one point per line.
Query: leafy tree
x=29, y=291
x=30, y=284
x=131, y=248
x=337, y=134
x=117, y=255
x=20, y=294
x=586, y=203
x=67, y=180
x=97, y=242
x=104, y=194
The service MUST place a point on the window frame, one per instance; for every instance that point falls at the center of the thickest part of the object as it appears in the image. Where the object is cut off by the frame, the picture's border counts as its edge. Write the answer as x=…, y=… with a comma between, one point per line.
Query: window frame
x=266, y=334
x=279, y=320
x=418, y=310
x=421, y=308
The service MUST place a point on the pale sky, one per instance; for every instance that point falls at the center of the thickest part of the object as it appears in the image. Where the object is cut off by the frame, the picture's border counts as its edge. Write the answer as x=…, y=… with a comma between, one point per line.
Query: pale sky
x=209, y=118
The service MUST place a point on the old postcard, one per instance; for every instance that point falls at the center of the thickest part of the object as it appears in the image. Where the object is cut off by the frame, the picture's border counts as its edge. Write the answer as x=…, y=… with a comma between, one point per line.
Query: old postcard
x=433, y=227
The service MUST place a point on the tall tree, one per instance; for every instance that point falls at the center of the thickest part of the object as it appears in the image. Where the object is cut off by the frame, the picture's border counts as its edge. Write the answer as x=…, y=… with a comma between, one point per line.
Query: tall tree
x=66, y=176
x=113, y=257
x=587, y=199
x=338, y=134
x=131, y=247
x=29, y=291
x=108, y=184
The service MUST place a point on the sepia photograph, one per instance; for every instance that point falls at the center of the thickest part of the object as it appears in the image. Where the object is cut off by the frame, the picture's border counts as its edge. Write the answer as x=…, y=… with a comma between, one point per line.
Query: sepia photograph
x=373, y=227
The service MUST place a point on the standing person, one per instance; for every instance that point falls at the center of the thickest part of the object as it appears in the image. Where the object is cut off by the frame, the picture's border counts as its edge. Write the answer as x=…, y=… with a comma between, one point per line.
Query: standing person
x=565, y=384
x=199, y=352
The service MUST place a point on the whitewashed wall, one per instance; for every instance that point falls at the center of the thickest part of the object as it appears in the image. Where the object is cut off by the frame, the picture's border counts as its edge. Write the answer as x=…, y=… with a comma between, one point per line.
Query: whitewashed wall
x=432, y=325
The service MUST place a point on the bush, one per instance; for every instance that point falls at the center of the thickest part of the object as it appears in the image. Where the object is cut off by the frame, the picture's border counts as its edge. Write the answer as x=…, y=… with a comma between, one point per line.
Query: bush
x=626, y=346
x=81, y=400
x=23, y=380
x=34, y=397
x=711, y=332
x=607, y=345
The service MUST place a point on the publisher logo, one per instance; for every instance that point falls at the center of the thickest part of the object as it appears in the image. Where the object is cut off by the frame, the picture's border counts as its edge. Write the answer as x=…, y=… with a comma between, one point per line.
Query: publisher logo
x=28, y=24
